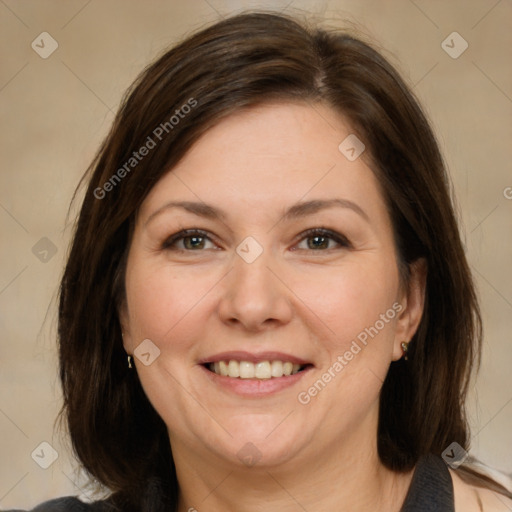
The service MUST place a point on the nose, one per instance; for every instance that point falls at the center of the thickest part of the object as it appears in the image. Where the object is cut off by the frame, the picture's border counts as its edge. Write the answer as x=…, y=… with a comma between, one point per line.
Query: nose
x=255, y=296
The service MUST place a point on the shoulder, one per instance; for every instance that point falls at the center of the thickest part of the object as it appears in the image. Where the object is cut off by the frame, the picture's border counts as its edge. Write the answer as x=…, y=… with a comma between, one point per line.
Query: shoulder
x=471, y=498
x=69, y=504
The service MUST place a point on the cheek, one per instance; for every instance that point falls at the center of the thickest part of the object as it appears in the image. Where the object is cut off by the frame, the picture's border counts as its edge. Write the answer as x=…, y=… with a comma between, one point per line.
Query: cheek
x=354, y=324
x=348, y=299
x=165, y=306
x=162, y=300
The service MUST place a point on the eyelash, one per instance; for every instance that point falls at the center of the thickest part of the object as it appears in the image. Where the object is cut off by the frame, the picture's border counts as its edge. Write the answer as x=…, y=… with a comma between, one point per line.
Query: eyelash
x=189, y=233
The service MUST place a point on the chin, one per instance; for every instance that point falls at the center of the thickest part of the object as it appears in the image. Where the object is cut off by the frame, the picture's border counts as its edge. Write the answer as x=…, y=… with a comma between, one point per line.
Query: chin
x=262, y=442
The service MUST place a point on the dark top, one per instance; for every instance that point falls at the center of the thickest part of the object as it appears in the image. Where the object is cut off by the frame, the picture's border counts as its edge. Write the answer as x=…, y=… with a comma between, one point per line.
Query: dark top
x=431, y=490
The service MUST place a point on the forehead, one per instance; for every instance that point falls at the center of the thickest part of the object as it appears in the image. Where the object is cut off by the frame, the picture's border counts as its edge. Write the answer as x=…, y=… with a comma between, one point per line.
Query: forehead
x=269, y=155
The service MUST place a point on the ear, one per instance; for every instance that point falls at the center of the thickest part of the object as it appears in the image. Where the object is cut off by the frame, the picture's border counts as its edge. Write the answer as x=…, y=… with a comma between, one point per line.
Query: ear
x=125, y=328
x=412, y=301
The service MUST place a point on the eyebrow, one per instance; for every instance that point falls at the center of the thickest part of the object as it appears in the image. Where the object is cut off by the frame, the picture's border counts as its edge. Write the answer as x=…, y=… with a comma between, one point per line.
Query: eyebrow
x=297, y=210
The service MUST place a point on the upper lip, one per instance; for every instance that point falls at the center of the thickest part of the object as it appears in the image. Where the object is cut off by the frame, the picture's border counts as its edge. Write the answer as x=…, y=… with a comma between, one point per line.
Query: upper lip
x=252, y=357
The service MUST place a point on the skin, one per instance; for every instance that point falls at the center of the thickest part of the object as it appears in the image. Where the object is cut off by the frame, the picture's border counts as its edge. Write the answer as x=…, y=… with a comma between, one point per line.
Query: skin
x=195, y=302
x=477, y=499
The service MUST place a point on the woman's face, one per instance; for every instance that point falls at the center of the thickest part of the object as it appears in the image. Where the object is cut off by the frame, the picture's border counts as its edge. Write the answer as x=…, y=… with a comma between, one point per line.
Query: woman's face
x=253, y=293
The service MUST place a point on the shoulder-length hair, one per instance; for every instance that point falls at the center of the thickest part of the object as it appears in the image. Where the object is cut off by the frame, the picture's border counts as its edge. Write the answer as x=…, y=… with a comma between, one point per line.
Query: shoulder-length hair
x=240, y=62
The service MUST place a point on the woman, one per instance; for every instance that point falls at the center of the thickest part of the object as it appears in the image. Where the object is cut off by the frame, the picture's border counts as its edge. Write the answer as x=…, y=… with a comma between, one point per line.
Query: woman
x=266, y=303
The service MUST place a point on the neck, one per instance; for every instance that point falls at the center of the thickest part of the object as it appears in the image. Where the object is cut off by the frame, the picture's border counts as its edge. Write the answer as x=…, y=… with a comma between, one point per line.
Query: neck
x=345, y=477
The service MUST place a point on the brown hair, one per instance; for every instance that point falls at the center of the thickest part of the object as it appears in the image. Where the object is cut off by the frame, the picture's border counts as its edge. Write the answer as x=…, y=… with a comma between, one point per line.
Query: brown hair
x=240, y=62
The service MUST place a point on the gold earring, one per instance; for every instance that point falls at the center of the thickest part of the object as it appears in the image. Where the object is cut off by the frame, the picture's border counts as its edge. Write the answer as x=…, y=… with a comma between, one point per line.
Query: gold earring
x=129, y=361
x=405, y=348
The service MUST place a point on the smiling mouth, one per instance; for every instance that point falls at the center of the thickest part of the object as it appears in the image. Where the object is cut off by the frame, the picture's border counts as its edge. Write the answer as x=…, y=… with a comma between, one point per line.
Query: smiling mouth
x=263, y=370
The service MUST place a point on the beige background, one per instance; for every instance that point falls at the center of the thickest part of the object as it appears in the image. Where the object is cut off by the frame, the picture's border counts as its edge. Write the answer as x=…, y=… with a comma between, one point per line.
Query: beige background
x=55, y=111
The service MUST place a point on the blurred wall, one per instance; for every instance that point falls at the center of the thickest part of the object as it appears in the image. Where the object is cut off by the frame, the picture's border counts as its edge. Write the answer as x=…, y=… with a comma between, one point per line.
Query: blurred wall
x=64, y=67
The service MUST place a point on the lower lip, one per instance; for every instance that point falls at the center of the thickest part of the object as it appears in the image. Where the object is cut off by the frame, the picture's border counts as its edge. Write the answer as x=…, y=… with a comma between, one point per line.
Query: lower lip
x=255, y=388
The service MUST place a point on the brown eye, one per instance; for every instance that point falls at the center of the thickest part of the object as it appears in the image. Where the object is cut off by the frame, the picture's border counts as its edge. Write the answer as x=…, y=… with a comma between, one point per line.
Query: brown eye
x=191, y=240
x=323, y=239
x=318, y=242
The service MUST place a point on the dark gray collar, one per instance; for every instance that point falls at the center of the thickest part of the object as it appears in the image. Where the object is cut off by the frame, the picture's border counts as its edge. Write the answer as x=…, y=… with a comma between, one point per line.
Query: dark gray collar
x=431, y=488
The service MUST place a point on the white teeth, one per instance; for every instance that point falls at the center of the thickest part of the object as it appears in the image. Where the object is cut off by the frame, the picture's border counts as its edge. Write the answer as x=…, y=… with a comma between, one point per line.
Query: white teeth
x=262, y=370
x=233, y=369
x=247, y=370
x=223, y=367
x=277, y=369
